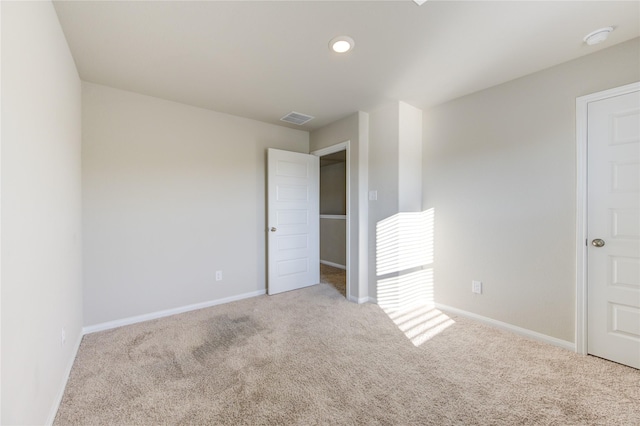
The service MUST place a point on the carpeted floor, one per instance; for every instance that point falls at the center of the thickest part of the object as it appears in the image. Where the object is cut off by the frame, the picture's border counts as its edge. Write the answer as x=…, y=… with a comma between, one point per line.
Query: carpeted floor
x=310, y=357
x=335, y=277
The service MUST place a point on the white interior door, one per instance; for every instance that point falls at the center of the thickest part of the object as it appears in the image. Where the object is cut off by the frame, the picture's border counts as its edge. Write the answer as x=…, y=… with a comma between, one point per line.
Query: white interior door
x=613, y=215
x=293, y=227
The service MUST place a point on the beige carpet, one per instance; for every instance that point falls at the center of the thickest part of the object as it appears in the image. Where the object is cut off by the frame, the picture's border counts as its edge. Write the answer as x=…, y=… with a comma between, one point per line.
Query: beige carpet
x=335, y=277
x=310, y=357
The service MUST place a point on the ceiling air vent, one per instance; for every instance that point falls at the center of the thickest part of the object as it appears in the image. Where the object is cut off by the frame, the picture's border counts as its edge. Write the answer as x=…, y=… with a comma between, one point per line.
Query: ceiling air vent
x=296, y=118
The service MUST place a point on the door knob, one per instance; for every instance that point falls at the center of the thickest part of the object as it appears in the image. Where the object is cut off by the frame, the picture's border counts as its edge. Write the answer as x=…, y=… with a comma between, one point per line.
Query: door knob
x=597, y=242
x=273, y=229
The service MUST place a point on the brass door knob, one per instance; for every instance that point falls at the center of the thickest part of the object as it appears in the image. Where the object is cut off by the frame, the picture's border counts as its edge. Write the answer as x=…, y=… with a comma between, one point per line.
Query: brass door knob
x=273, y=229
x=597, y=242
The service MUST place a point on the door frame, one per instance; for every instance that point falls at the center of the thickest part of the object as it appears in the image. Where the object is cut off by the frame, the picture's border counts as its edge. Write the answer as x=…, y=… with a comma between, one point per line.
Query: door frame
x=343, y=146
x=582, y=123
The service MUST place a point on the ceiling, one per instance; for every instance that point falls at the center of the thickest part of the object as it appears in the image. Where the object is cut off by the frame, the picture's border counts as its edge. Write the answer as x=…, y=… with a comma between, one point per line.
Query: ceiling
x=263, y=59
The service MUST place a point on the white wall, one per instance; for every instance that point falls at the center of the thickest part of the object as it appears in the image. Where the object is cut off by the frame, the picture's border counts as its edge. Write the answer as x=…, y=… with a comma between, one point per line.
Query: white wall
x=383, y=175
x=499, y=169
x=171, y=194
x=410, y=158
x=333, y=188
x=333, y=237
x=41, y=225
x=395, y=173
x=333, y=198
x=354, y=128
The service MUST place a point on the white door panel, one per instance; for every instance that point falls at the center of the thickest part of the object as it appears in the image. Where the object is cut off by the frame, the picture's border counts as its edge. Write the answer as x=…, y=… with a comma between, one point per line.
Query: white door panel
x=293, y=220
x=613, y=214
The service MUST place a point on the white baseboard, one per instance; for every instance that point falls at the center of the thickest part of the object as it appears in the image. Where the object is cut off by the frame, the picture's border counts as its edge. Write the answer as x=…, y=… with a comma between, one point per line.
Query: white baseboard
x=510, y=327
x=63, y=385
x=168, y=312
x=361, y=300
x=335, y=265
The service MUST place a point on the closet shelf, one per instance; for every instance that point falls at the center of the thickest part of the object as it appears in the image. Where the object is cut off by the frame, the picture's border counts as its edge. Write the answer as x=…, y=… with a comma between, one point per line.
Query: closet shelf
x=333, y=216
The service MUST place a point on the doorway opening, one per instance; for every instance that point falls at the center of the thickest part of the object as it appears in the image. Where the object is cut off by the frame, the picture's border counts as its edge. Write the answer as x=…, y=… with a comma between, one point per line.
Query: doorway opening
x=334, y=217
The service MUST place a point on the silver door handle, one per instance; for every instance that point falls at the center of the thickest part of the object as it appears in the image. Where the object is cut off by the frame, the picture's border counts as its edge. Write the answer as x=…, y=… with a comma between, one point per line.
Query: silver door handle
x=597, y=242
x=273, y=229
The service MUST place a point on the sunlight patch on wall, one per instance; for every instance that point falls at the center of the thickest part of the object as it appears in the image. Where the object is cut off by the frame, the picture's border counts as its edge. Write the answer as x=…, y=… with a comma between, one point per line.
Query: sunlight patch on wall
x=405, y=276
x=404, y=241
x=406, y=290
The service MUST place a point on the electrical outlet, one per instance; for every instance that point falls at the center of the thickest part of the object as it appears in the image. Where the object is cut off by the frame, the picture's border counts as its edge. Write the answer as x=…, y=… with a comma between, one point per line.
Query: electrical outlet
x=218, y=275
x=63, y=337
x=476, y=287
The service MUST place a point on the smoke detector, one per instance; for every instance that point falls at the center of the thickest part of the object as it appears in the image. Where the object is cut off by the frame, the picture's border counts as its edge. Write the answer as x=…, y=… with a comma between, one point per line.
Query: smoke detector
x=597, y=36
x=297, y=118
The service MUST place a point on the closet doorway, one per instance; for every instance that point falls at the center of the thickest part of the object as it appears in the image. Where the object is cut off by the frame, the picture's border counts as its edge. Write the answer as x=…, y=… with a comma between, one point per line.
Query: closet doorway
x=334, y=223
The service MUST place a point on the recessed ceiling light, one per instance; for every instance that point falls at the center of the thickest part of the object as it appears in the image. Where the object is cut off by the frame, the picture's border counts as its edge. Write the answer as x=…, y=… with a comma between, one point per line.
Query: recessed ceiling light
x=597, y=36
x=341, y=44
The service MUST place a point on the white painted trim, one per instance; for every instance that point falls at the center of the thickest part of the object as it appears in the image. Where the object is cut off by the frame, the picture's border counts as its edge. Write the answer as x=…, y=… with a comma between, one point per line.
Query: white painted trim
x=335, y=265
x=343, y=146
x=361, y=300
x=581, y=227
x=363, y=204
x=1, y=210
x=582, y=236
x=333, y=216
x=168, y=312
x=63, y=385
x=509, y=327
